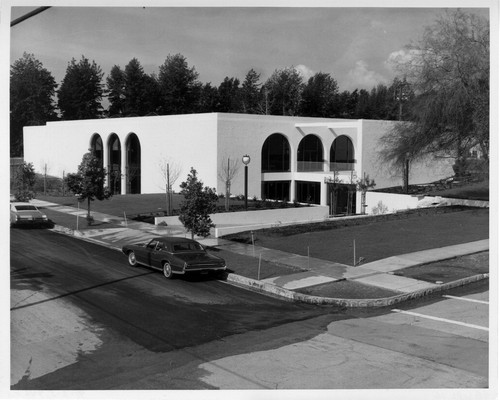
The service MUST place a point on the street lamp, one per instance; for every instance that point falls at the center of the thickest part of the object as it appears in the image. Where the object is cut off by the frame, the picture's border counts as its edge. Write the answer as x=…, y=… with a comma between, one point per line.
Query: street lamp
x=246, y=160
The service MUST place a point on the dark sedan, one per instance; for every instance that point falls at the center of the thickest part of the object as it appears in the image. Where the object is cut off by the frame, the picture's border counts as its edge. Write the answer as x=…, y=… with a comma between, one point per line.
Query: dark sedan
x=173, y=255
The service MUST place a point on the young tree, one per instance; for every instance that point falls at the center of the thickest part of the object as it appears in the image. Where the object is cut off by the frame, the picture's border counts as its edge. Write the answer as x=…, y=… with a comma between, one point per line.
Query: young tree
x=81, y=91
x=449, y=72
x=88, y=182
x=363, y=185
x=319, y=96
x=32, y=89
x=24, y=182
x=179, y=86
x=198, y=203
x=227, y=173
x=170, y=172
x=284, y=91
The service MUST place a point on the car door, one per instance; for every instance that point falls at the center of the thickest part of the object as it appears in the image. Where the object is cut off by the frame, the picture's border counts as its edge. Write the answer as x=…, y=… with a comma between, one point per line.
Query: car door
x=157, y=255
x=144, y=256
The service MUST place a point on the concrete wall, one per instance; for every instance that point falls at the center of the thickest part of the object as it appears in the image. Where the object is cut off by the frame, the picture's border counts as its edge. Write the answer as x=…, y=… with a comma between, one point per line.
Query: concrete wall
x=234, y=222
x=180, y=140
x=400, y=202
x=393, y=202
x=206, y=141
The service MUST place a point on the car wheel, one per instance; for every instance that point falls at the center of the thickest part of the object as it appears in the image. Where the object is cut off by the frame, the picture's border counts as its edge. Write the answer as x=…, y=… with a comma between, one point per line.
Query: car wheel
x=131, y=259
x=167, y=270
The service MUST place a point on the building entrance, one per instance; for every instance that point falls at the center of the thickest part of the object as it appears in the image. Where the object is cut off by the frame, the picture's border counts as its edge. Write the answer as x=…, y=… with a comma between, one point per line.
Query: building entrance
x=342, y=199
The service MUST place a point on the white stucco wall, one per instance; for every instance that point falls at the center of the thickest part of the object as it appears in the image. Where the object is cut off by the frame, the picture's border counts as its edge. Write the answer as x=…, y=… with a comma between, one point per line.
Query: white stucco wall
x=181, y=140
x=205, y=141
x=240, y=134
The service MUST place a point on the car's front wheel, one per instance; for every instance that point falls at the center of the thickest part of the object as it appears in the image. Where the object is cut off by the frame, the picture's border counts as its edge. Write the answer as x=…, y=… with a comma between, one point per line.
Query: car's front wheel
x=167, y=270
x=131, y=259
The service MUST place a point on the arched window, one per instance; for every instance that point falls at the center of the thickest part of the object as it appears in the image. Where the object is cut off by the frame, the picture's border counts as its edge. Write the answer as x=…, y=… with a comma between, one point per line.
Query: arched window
x=310, y=154
x=96, y=147
x=133, y=164
x=276, y=154
x=342, y=154
x=114, y=167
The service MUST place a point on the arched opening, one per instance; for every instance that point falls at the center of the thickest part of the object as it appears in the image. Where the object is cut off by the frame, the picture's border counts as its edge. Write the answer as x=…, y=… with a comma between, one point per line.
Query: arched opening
x=114, y=167
x=342, y=154
x=133, y=164
x=96, y=148
x=310, y=154
x=276, y=154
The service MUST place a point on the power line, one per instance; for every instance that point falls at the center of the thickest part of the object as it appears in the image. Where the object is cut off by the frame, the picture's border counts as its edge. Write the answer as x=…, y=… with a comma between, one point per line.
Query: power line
x=29, y=15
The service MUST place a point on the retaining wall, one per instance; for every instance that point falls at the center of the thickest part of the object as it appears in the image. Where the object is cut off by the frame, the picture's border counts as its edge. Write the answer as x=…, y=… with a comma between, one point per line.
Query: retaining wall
x=234, y=222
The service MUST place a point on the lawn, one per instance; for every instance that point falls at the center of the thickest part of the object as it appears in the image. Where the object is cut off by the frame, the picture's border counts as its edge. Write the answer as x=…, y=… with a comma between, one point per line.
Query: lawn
x=383, y=239
x=373, y=241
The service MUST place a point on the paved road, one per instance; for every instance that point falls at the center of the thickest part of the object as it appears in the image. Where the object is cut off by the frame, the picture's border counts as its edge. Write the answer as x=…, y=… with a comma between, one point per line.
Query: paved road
x=71, y=297
x=83, y=319
x=441, y=344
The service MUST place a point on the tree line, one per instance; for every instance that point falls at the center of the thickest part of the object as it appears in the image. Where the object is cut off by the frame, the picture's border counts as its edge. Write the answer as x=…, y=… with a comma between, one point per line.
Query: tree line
x=440, y=93
x=176, y=89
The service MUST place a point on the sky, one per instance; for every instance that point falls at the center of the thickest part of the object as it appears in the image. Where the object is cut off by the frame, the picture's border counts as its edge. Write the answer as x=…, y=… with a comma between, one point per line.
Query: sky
x=354, y=45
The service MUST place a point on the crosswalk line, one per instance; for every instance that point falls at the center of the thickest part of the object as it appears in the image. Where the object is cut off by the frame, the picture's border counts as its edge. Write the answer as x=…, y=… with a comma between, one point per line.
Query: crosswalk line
x=449, y=321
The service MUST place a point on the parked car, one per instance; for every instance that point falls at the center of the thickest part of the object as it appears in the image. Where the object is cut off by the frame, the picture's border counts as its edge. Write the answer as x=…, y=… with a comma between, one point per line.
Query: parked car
x=173, y=255
x=26, y=214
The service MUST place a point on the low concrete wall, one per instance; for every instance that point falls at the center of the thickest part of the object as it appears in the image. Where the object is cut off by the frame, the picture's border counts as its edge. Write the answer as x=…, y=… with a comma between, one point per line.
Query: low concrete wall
x=391, y=202
x=234, y=222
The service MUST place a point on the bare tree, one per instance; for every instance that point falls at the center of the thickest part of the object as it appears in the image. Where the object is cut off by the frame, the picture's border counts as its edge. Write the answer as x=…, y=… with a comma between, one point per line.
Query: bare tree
x=228, y=171
x=170, y=172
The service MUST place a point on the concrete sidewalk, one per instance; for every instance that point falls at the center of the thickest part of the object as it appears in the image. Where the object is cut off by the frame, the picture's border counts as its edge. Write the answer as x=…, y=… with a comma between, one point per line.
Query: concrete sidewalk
x=314, y=271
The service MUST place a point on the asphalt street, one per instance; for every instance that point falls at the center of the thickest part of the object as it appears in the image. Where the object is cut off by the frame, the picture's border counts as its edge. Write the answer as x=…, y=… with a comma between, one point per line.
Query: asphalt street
x=82, y=319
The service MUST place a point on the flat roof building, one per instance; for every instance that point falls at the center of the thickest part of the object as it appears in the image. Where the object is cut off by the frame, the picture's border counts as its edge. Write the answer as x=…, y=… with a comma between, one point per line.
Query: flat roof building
x=291, y=158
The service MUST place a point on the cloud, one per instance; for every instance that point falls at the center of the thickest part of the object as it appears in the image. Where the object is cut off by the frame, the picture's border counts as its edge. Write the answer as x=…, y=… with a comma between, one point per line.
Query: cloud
x=305, y=71
x=361, y=77
x=399, y=58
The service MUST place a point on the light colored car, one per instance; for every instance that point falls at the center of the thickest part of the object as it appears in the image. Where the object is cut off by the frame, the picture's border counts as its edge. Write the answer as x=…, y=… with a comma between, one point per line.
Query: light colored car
x=26, y=214
x=173, y=255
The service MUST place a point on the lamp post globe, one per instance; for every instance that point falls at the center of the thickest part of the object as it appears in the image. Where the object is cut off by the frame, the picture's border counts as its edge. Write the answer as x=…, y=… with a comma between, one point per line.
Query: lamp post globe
x=246, y=160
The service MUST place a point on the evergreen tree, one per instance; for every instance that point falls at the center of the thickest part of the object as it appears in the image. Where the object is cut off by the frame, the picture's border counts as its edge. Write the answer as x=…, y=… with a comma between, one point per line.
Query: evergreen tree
x=32, y=89
x=116, y=91
x=229, y=95
x=319, y=96
x=81, y=91
x=198, y=203
x=250, y=93
x=179, y=86
x=209, y=98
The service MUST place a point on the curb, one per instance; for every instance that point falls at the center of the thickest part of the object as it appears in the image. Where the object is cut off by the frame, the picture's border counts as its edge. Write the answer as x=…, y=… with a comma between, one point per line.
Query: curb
x=262, y=287
x=277, y=291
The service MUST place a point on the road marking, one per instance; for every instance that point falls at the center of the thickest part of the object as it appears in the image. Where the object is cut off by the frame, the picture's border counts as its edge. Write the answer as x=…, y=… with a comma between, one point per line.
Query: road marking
x=466, y=299
x=450, y=321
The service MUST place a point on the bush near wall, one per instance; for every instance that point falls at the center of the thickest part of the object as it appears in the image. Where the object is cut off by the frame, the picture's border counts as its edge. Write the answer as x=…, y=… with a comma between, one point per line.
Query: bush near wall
x=243, y=237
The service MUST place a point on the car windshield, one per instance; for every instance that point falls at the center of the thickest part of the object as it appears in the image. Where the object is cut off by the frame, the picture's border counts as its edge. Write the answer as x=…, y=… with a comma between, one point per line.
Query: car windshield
x=25, y=208
x=187, y=246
